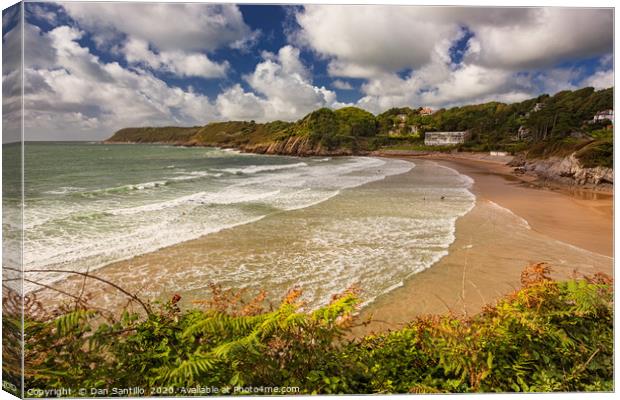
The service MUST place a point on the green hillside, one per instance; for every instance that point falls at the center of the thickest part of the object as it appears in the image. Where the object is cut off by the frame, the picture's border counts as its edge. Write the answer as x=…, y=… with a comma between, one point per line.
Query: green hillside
x=164, y=134
x=538, y=127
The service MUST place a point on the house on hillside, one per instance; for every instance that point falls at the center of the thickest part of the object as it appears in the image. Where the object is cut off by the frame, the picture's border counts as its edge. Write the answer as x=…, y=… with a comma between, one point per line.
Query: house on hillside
x=445, y=138
x=522, y=134
x=401, y=129
x=537, y=107
x=426, y=111
x=604, y=115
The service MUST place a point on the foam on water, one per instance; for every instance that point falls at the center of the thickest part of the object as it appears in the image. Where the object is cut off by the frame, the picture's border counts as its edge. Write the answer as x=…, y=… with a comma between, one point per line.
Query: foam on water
x=374, y=236
x=252, y=169
x=87, y=228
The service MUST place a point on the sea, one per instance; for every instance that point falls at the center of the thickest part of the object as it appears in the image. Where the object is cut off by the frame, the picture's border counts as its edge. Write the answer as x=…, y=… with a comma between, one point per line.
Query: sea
x=178, y=219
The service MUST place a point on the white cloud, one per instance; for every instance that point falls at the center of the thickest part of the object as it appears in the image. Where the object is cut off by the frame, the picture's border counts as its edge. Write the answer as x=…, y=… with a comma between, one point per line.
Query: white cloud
x=171, y=37
x=237, y=104
x=283, y=91
x=403, y=55
x=468, y=84
x=510, y=56
x=177, y=62
x=364, y=41
x=40, y=12
x=80, y=96
x=600, y=79
x=342, y=85
x=547, y=37
x=168, y=26
x=11, y=75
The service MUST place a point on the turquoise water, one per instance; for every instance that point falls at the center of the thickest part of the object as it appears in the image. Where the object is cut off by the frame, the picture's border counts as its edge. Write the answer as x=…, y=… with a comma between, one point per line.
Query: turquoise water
x=90, y=204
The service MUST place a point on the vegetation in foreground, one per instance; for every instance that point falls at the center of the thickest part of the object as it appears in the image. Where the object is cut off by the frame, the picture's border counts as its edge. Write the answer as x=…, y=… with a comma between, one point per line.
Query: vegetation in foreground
x=547, y=336
x=539, y=128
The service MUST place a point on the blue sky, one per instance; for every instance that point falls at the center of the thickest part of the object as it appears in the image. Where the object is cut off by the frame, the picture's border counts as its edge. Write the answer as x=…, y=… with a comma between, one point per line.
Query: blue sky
x=92, y=68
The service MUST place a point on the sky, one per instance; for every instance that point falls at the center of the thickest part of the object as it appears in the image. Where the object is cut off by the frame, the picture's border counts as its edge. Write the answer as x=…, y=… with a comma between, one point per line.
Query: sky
x=93, y=68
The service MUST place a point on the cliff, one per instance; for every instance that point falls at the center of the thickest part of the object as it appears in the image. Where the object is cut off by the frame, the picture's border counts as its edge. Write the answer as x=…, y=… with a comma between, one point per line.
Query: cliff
x=163, y=134
x=562, y=141
x=567, y=170
x=345, y=131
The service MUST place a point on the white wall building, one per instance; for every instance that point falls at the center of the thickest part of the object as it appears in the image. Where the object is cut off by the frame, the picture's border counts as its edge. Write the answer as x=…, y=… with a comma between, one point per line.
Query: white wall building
x=445, y=138
x=604, y=115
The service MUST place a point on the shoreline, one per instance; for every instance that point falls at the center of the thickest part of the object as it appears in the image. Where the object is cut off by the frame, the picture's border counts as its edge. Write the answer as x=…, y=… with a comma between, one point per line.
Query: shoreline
x=548, y=210
x=496, y=189
x=514, y=223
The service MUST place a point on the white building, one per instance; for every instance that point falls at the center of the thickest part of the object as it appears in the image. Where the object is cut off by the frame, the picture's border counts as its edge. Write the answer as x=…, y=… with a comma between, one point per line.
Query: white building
x=604, y=115
x=445, y=138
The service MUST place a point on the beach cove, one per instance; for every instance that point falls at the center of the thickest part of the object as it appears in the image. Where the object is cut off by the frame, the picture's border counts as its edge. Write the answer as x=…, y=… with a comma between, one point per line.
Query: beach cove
x=415, y=241
x=515, y=222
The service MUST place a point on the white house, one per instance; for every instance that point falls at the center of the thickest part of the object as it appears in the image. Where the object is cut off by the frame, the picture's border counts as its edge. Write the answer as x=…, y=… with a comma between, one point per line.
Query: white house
x=604, y=115
x=445, y=138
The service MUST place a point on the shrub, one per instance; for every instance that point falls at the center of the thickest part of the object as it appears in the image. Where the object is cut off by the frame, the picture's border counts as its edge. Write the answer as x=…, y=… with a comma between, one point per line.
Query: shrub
x=547, y=336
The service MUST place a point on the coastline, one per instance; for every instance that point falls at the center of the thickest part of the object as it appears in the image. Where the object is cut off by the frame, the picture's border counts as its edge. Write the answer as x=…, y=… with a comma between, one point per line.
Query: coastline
x=515, y=222
x=583, y=218
x=469, y=276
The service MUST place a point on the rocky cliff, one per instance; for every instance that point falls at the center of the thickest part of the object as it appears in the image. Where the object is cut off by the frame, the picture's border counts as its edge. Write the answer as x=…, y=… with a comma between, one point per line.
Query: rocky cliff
x=296, y=146
x=567, y=170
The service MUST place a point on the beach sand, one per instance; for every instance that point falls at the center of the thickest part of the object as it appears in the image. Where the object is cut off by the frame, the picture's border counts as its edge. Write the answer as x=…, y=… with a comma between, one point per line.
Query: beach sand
x=514, y=223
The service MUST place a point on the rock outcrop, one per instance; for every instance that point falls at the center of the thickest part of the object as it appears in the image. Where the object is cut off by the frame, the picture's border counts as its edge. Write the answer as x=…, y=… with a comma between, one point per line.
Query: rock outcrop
x=567, y=170
x=296, y=146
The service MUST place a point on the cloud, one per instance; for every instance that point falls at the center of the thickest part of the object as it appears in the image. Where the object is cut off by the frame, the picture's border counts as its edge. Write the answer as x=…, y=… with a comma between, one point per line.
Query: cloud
x=176, y=62
x=171, y=26
x=342, y=85
x=38, y=11
x=405, y=37
x=80, y=96
x=412, y=56
x=11, y=75
x=173, y=38
x=604, y=76
x=364, y=41
x=283, y=90
x=547, y=37
x=508, y=54
x=468, y=84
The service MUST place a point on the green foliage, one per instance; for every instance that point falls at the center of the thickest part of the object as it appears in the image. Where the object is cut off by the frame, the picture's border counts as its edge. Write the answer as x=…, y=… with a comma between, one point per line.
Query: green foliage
x=568, y=111
x=345, y=128
x=550, y=120
x=356, y=122
x=599, y=153
x=165, y=134
x=548, y=336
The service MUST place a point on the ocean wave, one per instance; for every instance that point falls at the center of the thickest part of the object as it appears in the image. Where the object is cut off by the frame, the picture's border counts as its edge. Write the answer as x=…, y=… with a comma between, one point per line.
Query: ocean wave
x=116, y=233
x=192, y=175
x=253, y=169
x=227, y=197
x=123, y=188
x=520, y=219
x=64, y=190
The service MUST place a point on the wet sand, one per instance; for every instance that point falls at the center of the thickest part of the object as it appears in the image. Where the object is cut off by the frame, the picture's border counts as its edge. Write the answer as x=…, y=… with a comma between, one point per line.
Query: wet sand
x=581, y=218
x=513, y=224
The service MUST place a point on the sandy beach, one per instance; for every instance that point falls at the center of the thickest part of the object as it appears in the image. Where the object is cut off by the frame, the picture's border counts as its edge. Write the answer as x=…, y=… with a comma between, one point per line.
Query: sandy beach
x=515, y=222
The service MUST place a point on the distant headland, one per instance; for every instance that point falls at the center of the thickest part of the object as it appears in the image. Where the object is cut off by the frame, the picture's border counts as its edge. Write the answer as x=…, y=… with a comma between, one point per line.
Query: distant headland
x=567, y=136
